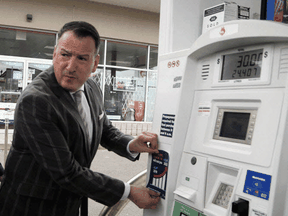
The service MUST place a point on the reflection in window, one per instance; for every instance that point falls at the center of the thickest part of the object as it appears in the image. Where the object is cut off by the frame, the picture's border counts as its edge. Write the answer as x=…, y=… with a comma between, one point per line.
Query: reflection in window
x=125, y=94
x=101, y=51
x=11, y=83
x=26, y=43
x=97, y=77
x=34, y=69
x=153, y=61
x=126, y=55
x=11, y=78
x=122, y=72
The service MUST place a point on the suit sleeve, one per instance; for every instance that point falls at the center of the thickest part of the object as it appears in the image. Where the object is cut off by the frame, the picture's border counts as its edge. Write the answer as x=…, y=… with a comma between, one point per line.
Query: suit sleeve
x=116, y=141
x=41, y=131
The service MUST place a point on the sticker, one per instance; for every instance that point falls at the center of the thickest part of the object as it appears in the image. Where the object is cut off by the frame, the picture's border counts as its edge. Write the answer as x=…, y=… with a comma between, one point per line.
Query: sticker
x=177, y=85
x=167, y=125
x=183, y=210
x=177, y=78
x=227, y=30
x=258, y=213
x=257, y=184
x=158, y=173
x=204, y=109
x=173, y=64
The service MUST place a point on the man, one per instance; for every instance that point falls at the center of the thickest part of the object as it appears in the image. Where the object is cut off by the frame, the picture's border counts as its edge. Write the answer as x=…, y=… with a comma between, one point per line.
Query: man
x=47, y=169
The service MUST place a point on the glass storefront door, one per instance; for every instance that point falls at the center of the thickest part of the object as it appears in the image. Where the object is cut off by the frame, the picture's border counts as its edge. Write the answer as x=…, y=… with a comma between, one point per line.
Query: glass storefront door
x=124, y=97
x=15, y=74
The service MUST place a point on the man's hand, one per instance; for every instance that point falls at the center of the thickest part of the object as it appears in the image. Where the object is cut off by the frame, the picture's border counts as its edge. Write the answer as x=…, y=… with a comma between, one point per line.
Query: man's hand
x=144, y=198
x=146, y=142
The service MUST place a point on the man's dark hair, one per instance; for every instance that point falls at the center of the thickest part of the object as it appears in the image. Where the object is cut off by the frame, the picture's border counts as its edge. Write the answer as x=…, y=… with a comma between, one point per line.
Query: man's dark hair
x=82, y=29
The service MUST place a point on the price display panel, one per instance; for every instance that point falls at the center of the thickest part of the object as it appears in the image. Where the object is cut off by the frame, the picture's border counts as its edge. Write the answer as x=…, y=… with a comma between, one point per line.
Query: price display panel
x=242, y=65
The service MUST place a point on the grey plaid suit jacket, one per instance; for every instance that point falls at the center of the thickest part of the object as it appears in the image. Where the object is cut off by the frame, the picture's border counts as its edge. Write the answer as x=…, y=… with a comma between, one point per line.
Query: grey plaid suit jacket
x=47, y=169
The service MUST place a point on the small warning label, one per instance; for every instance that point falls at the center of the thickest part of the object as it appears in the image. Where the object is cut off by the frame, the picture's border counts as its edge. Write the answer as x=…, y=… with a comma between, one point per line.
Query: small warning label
x=204, y=109
x=167, y=125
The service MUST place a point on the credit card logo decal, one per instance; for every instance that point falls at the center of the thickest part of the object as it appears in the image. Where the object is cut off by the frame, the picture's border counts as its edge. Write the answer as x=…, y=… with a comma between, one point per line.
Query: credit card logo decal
x=257, y=184
x=159, y=172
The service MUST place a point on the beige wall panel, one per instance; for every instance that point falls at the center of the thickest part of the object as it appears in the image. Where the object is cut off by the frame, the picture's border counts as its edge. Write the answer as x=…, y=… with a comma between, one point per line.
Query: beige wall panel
x=111, y=21
x=47, y=15
x=124, y=23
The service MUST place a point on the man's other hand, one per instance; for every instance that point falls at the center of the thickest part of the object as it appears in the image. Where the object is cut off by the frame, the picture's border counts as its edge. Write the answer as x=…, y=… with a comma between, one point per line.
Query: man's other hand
x=144, y=198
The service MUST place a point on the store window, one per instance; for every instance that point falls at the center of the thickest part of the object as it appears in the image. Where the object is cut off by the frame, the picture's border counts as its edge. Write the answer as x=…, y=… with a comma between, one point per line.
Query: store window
x=129, y=95
x=36, y=68
x=97, y=76
x=151, y=95
x=126, y=74
x=11, y=84
x=102, y=51
x=15, y=74
x=11, y=80
x=126, y=55
x=125, y=94
x=24, y=43
x=153, y=58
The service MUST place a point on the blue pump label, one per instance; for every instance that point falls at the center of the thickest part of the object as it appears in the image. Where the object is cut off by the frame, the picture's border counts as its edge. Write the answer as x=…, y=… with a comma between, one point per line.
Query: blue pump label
x=257, y=184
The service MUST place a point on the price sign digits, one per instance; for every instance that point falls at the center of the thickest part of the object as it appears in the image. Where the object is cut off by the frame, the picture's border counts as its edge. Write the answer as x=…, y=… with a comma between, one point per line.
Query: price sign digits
x=242, y=65
x=249, y=60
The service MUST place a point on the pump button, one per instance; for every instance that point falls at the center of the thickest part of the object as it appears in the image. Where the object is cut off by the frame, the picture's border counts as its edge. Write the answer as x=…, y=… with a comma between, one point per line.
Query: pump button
x=193, y=160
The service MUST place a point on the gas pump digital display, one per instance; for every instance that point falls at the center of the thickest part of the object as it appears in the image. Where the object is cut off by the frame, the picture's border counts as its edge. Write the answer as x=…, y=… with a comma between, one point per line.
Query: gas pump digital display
x=235, y=125
x=242, y=65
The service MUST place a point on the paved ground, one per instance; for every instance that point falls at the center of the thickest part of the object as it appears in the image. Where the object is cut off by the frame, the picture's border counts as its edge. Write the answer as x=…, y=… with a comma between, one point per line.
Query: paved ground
x=115, y=166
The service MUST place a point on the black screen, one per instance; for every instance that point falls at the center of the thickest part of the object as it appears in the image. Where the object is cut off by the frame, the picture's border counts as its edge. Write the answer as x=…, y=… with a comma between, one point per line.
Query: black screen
x=235, y=125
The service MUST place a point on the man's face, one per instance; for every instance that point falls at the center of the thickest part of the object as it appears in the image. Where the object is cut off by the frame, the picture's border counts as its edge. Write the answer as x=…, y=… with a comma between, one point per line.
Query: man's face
x=74, y=60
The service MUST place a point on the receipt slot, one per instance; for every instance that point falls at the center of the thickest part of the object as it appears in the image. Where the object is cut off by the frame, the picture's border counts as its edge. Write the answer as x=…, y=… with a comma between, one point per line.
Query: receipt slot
x=232, y=140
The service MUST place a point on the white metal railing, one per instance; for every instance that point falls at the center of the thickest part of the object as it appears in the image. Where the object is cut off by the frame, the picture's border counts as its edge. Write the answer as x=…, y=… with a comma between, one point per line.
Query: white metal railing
x=127, y=127
x=5, y=146
x=133, y=128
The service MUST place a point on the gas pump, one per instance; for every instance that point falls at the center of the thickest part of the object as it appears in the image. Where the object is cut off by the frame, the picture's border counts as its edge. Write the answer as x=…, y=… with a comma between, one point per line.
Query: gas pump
x=221, y=116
